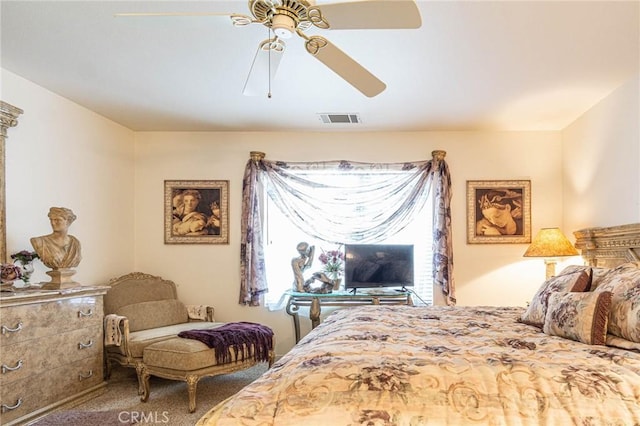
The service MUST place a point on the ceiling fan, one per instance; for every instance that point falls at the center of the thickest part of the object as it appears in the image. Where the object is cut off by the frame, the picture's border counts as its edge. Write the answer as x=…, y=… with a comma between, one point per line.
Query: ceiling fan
x=286, y=17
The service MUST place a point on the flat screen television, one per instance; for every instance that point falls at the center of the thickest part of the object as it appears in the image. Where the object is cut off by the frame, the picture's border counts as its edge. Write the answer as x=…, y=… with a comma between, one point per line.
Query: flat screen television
x=378, y=265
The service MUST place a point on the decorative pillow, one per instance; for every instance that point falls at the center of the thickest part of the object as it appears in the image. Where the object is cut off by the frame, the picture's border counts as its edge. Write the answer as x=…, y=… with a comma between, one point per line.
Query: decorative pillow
x=199, y=312
x=575, y=268
x=153, y=314
x=578, y=316
x=596, y=276
x=535, y=313
x=624, y=284
x=595, y=273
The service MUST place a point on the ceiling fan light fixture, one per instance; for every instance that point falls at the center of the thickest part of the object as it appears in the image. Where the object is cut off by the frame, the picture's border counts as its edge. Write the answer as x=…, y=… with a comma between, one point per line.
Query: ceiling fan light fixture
x=283, y=26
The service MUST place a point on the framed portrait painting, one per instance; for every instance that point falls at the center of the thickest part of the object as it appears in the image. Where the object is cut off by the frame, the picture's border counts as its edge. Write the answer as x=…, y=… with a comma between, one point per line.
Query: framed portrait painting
x=498, y=211
x=196, y=212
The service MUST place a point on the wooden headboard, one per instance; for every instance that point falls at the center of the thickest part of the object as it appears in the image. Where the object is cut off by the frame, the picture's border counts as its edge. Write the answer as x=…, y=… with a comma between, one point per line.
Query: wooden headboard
x=610, y=246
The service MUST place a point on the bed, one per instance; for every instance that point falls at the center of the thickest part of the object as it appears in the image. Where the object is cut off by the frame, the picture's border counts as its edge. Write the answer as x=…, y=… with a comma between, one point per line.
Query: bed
x=572, y=357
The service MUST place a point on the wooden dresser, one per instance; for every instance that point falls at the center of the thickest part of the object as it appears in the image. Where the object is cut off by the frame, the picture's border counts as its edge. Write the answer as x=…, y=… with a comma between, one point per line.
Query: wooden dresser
x=51, y=350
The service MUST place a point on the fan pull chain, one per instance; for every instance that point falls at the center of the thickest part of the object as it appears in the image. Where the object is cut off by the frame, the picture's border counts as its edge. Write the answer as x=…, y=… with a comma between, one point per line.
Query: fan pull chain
x=269, y=61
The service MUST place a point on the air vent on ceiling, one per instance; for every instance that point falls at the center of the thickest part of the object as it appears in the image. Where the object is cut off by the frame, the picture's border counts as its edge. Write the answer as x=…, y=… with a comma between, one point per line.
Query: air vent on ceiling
x=339, y=118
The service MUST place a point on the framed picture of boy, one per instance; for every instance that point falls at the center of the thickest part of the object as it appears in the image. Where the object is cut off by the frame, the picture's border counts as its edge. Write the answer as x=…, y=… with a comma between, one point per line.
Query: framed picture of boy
x=498, y=211
x=196, y=212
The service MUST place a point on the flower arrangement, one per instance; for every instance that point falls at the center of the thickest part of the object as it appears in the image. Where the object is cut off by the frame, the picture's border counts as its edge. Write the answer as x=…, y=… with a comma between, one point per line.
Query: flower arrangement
x=25, y=256
x=333, y=263
x=10, y=272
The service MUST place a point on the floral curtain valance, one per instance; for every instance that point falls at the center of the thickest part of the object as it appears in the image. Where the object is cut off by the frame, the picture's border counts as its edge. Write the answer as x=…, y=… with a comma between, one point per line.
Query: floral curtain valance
x=354, y=202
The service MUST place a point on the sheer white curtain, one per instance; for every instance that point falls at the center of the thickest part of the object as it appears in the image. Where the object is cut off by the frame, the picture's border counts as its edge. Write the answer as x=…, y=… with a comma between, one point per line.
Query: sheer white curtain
x=281, y=238
x=348, y=202
x=365, y=202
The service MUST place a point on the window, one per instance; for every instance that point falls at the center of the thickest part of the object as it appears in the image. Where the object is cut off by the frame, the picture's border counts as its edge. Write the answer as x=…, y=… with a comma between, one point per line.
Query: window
x=358, y=203
x=282, y=236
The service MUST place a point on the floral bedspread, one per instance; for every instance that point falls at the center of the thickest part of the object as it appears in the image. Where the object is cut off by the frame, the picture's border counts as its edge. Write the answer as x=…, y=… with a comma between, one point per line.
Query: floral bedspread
x=401, y=365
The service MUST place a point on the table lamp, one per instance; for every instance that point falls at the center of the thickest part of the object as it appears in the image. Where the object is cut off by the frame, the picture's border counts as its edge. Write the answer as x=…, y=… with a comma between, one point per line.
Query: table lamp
x=550, y=243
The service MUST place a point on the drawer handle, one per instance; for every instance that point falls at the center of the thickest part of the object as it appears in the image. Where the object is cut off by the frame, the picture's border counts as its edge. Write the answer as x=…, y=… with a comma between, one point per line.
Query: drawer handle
x=6, y=368
x=85, y=314
x=85, y=345
x=6, y=329
x=6, y=407
x=82, y=377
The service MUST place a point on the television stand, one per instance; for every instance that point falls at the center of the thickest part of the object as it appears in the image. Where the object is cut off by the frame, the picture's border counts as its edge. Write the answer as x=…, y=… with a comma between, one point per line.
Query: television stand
x=315, y=302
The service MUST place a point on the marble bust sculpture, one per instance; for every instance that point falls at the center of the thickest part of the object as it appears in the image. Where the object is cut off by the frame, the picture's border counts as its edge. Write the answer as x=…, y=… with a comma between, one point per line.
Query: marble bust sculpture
x=59, y=250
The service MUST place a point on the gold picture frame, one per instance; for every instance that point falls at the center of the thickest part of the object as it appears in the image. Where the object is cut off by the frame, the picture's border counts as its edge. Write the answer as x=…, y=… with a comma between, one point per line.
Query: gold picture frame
x=196, y=212
x=498, y=211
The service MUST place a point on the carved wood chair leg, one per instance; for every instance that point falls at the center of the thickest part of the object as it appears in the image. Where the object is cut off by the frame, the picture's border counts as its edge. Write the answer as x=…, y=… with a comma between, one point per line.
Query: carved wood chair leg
x=139, y=373
x=144, y=378
x=192, y=384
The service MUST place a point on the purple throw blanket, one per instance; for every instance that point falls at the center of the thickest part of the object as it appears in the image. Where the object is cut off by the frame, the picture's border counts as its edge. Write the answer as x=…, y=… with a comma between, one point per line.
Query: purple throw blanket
x=248, y=339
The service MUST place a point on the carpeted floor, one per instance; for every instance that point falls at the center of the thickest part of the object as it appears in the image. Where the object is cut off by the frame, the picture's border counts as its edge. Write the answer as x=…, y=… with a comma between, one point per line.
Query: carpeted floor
x=168, y=402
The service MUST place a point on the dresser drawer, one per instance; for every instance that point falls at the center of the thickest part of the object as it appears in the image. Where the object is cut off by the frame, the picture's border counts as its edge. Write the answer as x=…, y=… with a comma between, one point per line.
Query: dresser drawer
x=31, y=357
x=31, y=321
x=22, y=397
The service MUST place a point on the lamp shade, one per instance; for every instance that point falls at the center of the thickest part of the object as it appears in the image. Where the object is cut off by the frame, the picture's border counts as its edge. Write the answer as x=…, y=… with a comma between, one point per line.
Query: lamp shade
x=550, y=242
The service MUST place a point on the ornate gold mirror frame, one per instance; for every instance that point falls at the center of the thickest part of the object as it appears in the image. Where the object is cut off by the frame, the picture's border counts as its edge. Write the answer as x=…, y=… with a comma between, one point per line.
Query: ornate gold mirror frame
x=8, y=118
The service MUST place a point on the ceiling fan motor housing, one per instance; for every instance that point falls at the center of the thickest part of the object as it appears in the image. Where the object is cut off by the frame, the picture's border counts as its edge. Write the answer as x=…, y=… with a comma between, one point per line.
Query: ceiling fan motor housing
x=283, y=16
x=283, y=25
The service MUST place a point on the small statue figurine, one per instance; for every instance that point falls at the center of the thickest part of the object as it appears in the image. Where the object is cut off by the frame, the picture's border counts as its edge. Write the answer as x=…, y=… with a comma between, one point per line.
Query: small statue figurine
x=58, y=250
x=301, y=263
x=326, y=286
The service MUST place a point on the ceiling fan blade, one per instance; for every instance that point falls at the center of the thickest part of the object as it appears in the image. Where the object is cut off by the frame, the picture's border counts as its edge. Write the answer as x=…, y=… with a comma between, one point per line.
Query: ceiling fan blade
x=238, y=19
x=135, y=14
x=264, y=67
x=345, y=66
x=367, y=14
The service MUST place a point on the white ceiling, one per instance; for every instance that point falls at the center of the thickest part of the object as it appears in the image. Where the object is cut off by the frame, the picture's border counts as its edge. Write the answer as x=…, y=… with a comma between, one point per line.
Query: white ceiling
x=473, y=65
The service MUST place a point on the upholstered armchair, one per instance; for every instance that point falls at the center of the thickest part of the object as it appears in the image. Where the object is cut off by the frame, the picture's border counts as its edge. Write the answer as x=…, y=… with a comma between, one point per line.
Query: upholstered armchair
x=142, y=309
x=149, y=329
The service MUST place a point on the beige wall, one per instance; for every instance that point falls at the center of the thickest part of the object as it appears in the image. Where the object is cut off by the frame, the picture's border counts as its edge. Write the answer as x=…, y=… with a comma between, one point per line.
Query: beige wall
x=601, y=152
x=63, y=154
x=484, y=273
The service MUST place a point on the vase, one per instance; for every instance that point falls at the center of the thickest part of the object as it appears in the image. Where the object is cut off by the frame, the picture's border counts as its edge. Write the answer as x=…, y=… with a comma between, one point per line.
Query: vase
x=27, y=270
x=337, y=282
